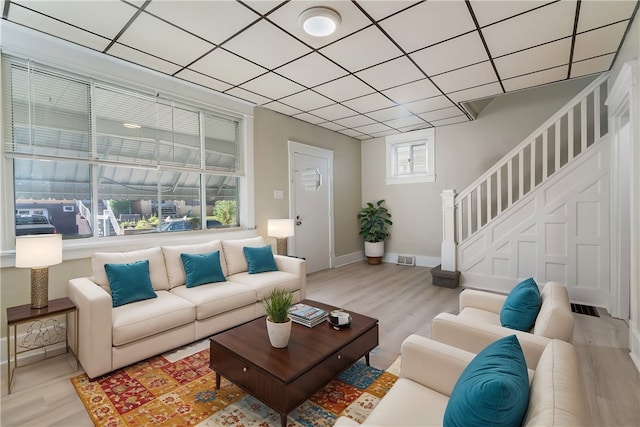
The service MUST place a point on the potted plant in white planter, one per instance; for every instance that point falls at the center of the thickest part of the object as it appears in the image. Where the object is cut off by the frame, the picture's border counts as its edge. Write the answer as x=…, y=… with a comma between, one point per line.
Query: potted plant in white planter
x=374, y=222
x=277, y=306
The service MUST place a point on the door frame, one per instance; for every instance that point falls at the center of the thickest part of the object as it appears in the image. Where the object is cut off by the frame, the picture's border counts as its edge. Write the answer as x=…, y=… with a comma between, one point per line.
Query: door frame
x=297, y=147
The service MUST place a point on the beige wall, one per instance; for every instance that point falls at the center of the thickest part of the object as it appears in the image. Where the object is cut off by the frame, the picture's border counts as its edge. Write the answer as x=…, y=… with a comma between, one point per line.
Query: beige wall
x=462, y=153
x=272, y=131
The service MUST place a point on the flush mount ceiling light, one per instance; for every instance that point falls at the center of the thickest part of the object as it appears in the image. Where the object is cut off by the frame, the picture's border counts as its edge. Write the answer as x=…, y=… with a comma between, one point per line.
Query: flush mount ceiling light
x=319, y=21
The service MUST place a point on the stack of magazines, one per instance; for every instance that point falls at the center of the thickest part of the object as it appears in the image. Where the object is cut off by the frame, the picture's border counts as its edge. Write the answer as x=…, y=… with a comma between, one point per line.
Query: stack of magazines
x=307, y=315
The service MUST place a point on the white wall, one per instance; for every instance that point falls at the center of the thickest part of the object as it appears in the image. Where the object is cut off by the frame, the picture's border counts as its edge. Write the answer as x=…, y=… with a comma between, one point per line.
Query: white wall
x=462, y=153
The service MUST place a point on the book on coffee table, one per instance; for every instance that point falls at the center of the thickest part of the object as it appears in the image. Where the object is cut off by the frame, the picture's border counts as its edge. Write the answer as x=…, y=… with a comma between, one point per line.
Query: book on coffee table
x=307, y=315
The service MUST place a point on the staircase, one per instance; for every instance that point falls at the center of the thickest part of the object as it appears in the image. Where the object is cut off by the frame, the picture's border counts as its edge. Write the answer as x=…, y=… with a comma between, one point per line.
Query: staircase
x=542, y=210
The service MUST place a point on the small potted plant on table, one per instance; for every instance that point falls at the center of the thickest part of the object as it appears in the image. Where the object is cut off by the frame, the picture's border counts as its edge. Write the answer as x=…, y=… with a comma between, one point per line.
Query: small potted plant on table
x=374, y=222
x=277, y=306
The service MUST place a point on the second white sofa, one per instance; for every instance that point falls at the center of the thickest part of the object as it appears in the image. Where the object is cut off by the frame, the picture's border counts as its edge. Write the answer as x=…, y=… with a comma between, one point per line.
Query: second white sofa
x=114, y=337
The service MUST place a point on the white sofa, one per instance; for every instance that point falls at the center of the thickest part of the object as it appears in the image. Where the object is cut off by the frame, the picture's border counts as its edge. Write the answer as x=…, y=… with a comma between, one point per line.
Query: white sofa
x=430, y=370
x=478, y=323
x=114, y=337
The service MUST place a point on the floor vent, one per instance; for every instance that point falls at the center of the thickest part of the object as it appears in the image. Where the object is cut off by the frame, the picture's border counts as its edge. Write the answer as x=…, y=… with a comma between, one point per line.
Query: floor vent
x=406, y=260
x=587, y=310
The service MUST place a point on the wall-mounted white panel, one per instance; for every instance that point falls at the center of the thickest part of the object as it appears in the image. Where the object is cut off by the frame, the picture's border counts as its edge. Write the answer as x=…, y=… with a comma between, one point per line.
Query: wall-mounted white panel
x=526, y=259
x=587, y=220
x=514, y=220
x=556, y=239
x=588, y=268
x=501, y=267
x=556, y=272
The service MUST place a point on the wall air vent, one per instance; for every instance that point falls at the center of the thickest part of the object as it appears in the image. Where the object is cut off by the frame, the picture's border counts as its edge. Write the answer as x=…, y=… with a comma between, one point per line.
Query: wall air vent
x=406, y=260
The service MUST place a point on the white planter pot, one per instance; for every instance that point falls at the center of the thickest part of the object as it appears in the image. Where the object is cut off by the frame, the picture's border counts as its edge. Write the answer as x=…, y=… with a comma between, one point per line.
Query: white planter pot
x=279, y=333
x=374, y=249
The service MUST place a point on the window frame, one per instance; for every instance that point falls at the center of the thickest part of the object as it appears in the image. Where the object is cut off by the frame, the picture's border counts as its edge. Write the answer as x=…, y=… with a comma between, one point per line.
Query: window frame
x=409, y=139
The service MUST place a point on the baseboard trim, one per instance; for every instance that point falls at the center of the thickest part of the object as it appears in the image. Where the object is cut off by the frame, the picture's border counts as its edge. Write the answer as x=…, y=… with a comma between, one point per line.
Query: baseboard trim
x=342, y=260
x=29, y=356
x=390, y=257
x=634, y=345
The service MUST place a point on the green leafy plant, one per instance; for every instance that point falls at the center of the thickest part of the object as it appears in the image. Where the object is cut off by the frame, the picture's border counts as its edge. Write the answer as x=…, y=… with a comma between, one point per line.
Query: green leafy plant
x=374, y=222
x=225, y=211
x=277, y=305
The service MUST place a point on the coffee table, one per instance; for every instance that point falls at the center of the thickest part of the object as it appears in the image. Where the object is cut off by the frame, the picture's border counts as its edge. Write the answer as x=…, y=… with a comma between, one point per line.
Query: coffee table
x=283, y=378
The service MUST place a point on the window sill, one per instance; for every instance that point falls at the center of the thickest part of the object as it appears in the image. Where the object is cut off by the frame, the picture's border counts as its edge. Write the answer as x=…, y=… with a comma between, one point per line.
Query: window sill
x=411, y=179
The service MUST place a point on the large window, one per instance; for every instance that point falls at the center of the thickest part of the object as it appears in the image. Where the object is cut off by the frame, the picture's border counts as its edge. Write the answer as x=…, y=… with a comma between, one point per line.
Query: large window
x=97, y=160
x=410, y=157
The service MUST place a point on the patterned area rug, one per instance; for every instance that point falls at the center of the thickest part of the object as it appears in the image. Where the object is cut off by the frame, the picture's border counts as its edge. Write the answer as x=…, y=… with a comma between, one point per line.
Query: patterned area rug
x=162, y=392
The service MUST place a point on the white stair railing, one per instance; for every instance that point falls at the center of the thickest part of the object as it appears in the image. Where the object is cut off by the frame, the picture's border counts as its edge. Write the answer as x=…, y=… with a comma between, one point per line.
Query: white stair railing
x=567, y=134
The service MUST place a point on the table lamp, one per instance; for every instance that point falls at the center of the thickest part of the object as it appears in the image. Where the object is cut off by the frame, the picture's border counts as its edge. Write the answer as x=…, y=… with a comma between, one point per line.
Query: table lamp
x=38, y=252
x=281, y=229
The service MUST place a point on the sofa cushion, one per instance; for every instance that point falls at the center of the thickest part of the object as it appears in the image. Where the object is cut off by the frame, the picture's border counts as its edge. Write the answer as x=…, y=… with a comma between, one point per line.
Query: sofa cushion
x=476, y=315
x=157, y=270
x=259, y=260
x=521, y=307
x=202, y=268
x=175, y=269
x=129, y=282
x=493, y=390
x=234, y=255
x=216, y=298
x=264, y=283
x=143, y=319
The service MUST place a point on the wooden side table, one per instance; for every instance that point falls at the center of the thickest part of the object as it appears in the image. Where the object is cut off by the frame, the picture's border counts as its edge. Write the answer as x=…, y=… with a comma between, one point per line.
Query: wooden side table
x=24, y=314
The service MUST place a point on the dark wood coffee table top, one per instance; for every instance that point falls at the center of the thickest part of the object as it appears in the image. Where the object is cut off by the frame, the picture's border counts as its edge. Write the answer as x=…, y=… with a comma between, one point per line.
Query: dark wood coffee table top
x=283, y=378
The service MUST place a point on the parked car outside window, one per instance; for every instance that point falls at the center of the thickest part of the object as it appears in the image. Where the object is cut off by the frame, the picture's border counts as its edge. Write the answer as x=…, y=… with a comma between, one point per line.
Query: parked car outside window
x=33, y=224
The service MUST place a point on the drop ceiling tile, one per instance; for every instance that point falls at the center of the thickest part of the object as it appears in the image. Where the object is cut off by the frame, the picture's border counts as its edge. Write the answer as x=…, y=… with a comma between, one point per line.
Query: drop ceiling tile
x=423, y=125
x=141, y=58
x=405, y=122
x=332, y=126
x=165, y=41
x=595, y=14
x=213, y=21
x=263, y=6
x=371, y=102
x=344, y=88
x=100, y=17
x=351, y=53
x=333, y=112
x=392, y=73
x=444, y=113
x=311, y=70
x=430, y=22
x=463, y=78
x=287, y=18
x=536, y=79
x=429, y=104
x=203, y=80
x=382, y=9
x=591, y=66
x=488, y=12
x=248, y=96
x=227, y=67
x=535, y=59
x=376, y=127
x=355, y=121
x=599, y=42
x=352, y=133
x=310, y=118
x=272, y=86
x=526, y=30
x=266, y=44
x=281, y=108
x=389, y=113
x=455, y=53
x=477, y=92
x=450, y=121
x=307, y=100
x=383, y=133
x=23, y=16
x=412, y=91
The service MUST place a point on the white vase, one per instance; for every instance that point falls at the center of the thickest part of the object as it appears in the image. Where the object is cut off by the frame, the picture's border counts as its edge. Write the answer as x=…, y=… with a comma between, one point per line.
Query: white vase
x=279, y=333
x=374, y=252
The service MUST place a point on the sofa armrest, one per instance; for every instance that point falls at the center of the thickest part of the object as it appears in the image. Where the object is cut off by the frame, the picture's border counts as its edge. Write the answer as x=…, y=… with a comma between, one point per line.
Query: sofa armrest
x=555, y=319
x=482, y=300
x=432, y=364
x=458, y=332
x=345, y=422
x=295, y=266
x=95, y=330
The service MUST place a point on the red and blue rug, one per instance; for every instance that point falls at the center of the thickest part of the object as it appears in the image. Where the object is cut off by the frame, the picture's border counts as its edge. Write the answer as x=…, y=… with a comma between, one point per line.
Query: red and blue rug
x=162, y=392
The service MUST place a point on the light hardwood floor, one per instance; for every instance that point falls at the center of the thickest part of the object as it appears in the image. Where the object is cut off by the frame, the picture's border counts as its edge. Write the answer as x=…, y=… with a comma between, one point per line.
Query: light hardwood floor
x=404, y=301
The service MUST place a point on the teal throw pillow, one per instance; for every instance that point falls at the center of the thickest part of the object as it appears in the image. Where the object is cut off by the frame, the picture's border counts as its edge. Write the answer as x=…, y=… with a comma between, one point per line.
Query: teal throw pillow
x=129, y=282
x=493, y=390
x=260, y=259
x=202, y=268
x=521, y=307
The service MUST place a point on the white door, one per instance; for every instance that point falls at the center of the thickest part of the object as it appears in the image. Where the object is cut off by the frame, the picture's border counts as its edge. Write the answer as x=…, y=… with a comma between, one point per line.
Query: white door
x=311, y=202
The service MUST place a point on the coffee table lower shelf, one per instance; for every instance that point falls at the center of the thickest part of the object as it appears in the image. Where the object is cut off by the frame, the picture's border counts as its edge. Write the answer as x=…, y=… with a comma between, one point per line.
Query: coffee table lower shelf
x=284, y=378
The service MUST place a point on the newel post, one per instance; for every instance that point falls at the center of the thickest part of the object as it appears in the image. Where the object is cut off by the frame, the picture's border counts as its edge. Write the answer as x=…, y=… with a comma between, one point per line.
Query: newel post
x=448, y=247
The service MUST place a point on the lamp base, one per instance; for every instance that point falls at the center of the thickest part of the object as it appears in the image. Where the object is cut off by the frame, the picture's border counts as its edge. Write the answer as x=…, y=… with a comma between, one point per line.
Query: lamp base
x=281, y=247
x=39, y=287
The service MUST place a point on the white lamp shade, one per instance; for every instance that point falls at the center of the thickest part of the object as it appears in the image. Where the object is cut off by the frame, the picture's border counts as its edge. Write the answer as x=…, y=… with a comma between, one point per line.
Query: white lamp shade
x=38, y=250
x=280, y=228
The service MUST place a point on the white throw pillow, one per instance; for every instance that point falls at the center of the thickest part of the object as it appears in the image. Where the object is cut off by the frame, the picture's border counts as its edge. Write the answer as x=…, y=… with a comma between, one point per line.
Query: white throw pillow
x=233, y=253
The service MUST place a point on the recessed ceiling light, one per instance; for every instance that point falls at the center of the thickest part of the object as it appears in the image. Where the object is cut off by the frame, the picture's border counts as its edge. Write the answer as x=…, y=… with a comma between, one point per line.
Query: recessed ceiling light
x=319, y=21
x=131, y=126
